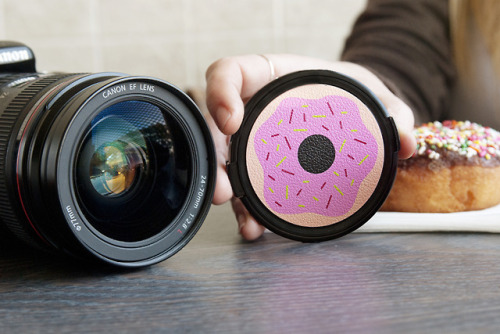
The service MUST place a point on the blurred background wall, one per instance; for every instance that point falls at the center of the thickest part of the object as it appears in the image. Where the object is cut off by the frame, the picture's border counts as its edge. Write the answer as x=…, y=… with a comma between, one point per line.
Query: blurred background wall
x=172, y=39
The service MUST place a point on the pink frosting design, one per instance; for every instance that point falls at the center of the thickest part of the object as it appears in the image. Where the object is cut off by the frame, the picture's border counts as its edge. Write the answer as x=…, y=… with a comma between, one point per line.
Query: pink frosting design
x=288, y=188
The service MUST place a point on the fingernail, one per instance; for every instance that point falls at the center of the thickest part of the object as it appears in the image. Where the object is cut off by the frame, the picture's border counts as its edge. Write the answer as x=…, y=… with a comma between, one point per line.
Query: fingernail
x=222, y=116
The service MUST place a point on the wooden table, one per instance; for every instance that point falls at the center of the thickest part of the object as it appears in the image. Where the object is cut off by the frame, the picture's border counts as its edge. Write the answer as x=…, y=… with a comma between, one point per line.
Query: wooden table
x=363, y=282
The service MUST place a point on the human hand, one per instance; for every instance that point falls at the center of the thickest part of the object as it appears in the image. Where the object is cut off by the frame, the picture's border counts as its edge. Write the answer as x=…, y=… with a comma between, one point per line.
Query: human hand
x=232, y=81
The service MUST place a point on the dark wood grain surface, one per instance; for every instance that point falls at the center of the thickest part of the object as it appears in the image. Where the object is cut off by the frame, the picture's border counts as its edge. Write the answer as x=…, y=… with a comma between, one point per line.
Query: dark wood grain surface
x=363, y=282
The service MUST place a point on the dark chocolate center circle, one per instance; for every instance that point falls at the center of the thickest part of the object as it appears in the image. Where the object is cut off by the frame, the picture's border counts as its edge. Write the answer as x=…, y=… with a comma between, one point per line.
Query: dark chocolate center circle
x=316, y=154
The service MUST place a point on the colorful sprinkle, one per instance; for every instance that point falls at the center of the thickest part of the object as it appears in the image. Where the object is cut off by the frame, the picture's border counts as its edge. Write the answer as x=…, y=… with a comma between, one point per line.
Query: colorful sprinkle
x=352, y=182
x=315, y=198
x=286, y=192
x=264, y=141
x=341, y=147
x=328, y=204
x=271, y=190
x=360, y=141
x=340, y=192
x=330, y=107
x=288, y=172
x=334, y=172
x=275, y=135
x=299, y=192
x=272, y=178
x=319, y=116
x=267, y=157
x=362, y=160
x=281, y=121
x=278, y=204
x=466, y=138
x=324, y=127
x=286, y=139
x=300, y=130
x=302, y=206
x=324, y=184
x=278, y=147
x=281, y=161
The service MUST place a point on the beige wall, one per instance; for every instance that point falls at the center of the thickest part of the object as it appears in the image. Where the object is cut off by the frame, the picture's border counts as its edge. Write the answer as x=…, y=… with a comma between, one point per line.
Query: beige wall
x=172, y=39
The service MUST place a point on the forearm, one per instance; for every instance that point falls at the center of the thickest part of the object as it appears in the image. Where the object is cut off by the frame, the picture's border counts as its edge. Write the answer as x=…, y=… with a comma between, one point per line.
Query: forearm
x=407, y=44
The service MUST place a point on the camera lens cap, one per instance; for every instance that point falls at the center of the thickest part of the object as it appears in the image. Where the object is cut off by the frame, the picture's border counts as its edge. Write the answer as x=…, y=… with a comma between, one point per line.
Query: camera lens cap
x=315, y=156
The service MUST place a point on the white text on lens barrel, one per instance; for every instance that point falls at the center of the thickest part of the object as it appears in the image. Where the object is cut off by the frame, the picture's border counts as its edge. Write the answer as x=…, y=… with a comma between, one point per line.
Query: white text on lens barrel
x=72, y=218
x=132, y=87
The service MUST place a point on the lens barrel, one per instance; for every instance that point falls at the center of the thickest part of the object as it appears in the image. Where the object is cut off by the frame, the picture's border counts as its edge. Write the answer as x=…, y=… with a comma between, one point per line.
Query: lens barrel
x=107, y=166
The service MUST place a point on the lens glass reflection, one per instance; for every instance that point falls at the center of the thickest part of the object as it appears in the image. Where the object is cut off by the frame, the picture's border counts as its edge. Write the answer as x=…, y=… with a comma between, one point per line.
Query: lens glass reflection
x=133, y=170
x=116, y=165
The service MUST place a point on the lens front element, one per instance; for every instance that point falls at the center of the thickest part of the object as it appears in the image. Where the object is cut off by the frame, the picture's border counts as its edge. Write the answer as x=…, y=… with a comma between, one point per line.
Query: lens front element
x=133, y=170
x=116, y=165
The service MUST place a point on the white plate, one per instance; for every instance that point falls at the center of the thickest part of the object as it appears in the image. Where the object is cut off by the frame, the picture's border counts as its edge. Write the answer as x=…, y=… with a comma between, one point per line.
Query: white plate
x=487, y=220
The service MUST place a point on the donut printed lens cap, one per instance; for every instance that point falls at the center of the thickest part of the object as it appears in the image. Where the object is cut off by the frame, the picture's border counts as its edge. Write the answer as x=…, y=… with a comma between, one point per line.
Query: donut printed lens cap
x=315, y=157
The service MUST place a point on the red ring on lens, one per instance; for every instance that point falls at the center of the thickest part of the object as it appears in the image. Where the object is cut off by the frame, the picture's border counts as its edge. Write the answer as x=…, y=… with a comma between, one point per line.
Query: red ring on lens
x=35, y=112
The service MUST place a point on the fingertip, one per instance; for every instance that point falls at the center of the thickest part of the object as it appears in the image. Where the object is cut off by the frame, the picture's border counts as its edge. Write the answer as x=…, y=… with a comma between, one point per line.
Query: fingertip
x=249, y=228
x=223, y=190
x=223, y=91
x=404, y=119
x=221, y=117
x=408, y=145
x=229, y=119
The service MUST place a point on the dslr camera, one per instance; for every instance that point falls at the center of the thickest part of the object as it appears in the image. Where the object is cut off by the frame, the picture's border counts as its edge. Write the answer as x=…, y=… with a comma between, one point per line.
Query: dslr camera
x=100, y=166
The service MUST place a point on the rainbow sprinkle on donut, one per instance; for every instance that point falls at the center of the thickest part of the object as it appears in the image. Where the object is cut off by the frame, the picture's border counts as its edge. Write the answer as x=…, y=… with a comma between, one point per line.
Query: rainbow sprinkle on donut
x=466, y=138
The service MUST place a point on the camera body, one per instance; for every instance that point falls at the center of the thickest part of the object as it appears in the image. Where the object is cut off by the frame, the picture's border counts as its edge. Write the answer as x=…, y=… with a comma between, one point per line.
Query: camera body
x=101, y=166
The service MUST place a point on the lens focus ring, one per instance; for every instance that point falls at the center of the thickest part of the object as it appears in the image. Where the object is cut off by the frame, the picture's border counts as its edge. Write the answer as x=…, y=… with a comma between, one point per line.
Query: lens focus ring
x=8, y=119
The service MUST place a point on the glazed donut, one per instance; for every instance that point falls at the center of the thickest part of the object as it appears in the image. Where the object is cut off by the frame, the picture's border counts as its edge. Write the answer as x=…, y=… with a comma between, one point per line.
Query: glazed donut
x=315, y=154
x=456, y=167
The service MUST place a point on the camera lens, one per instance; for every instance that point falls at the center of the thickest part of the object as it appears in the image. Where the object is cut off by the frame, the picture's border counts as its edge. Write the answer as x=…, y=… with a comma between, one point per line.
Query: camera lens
x=132, y=170
x=103, y=166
